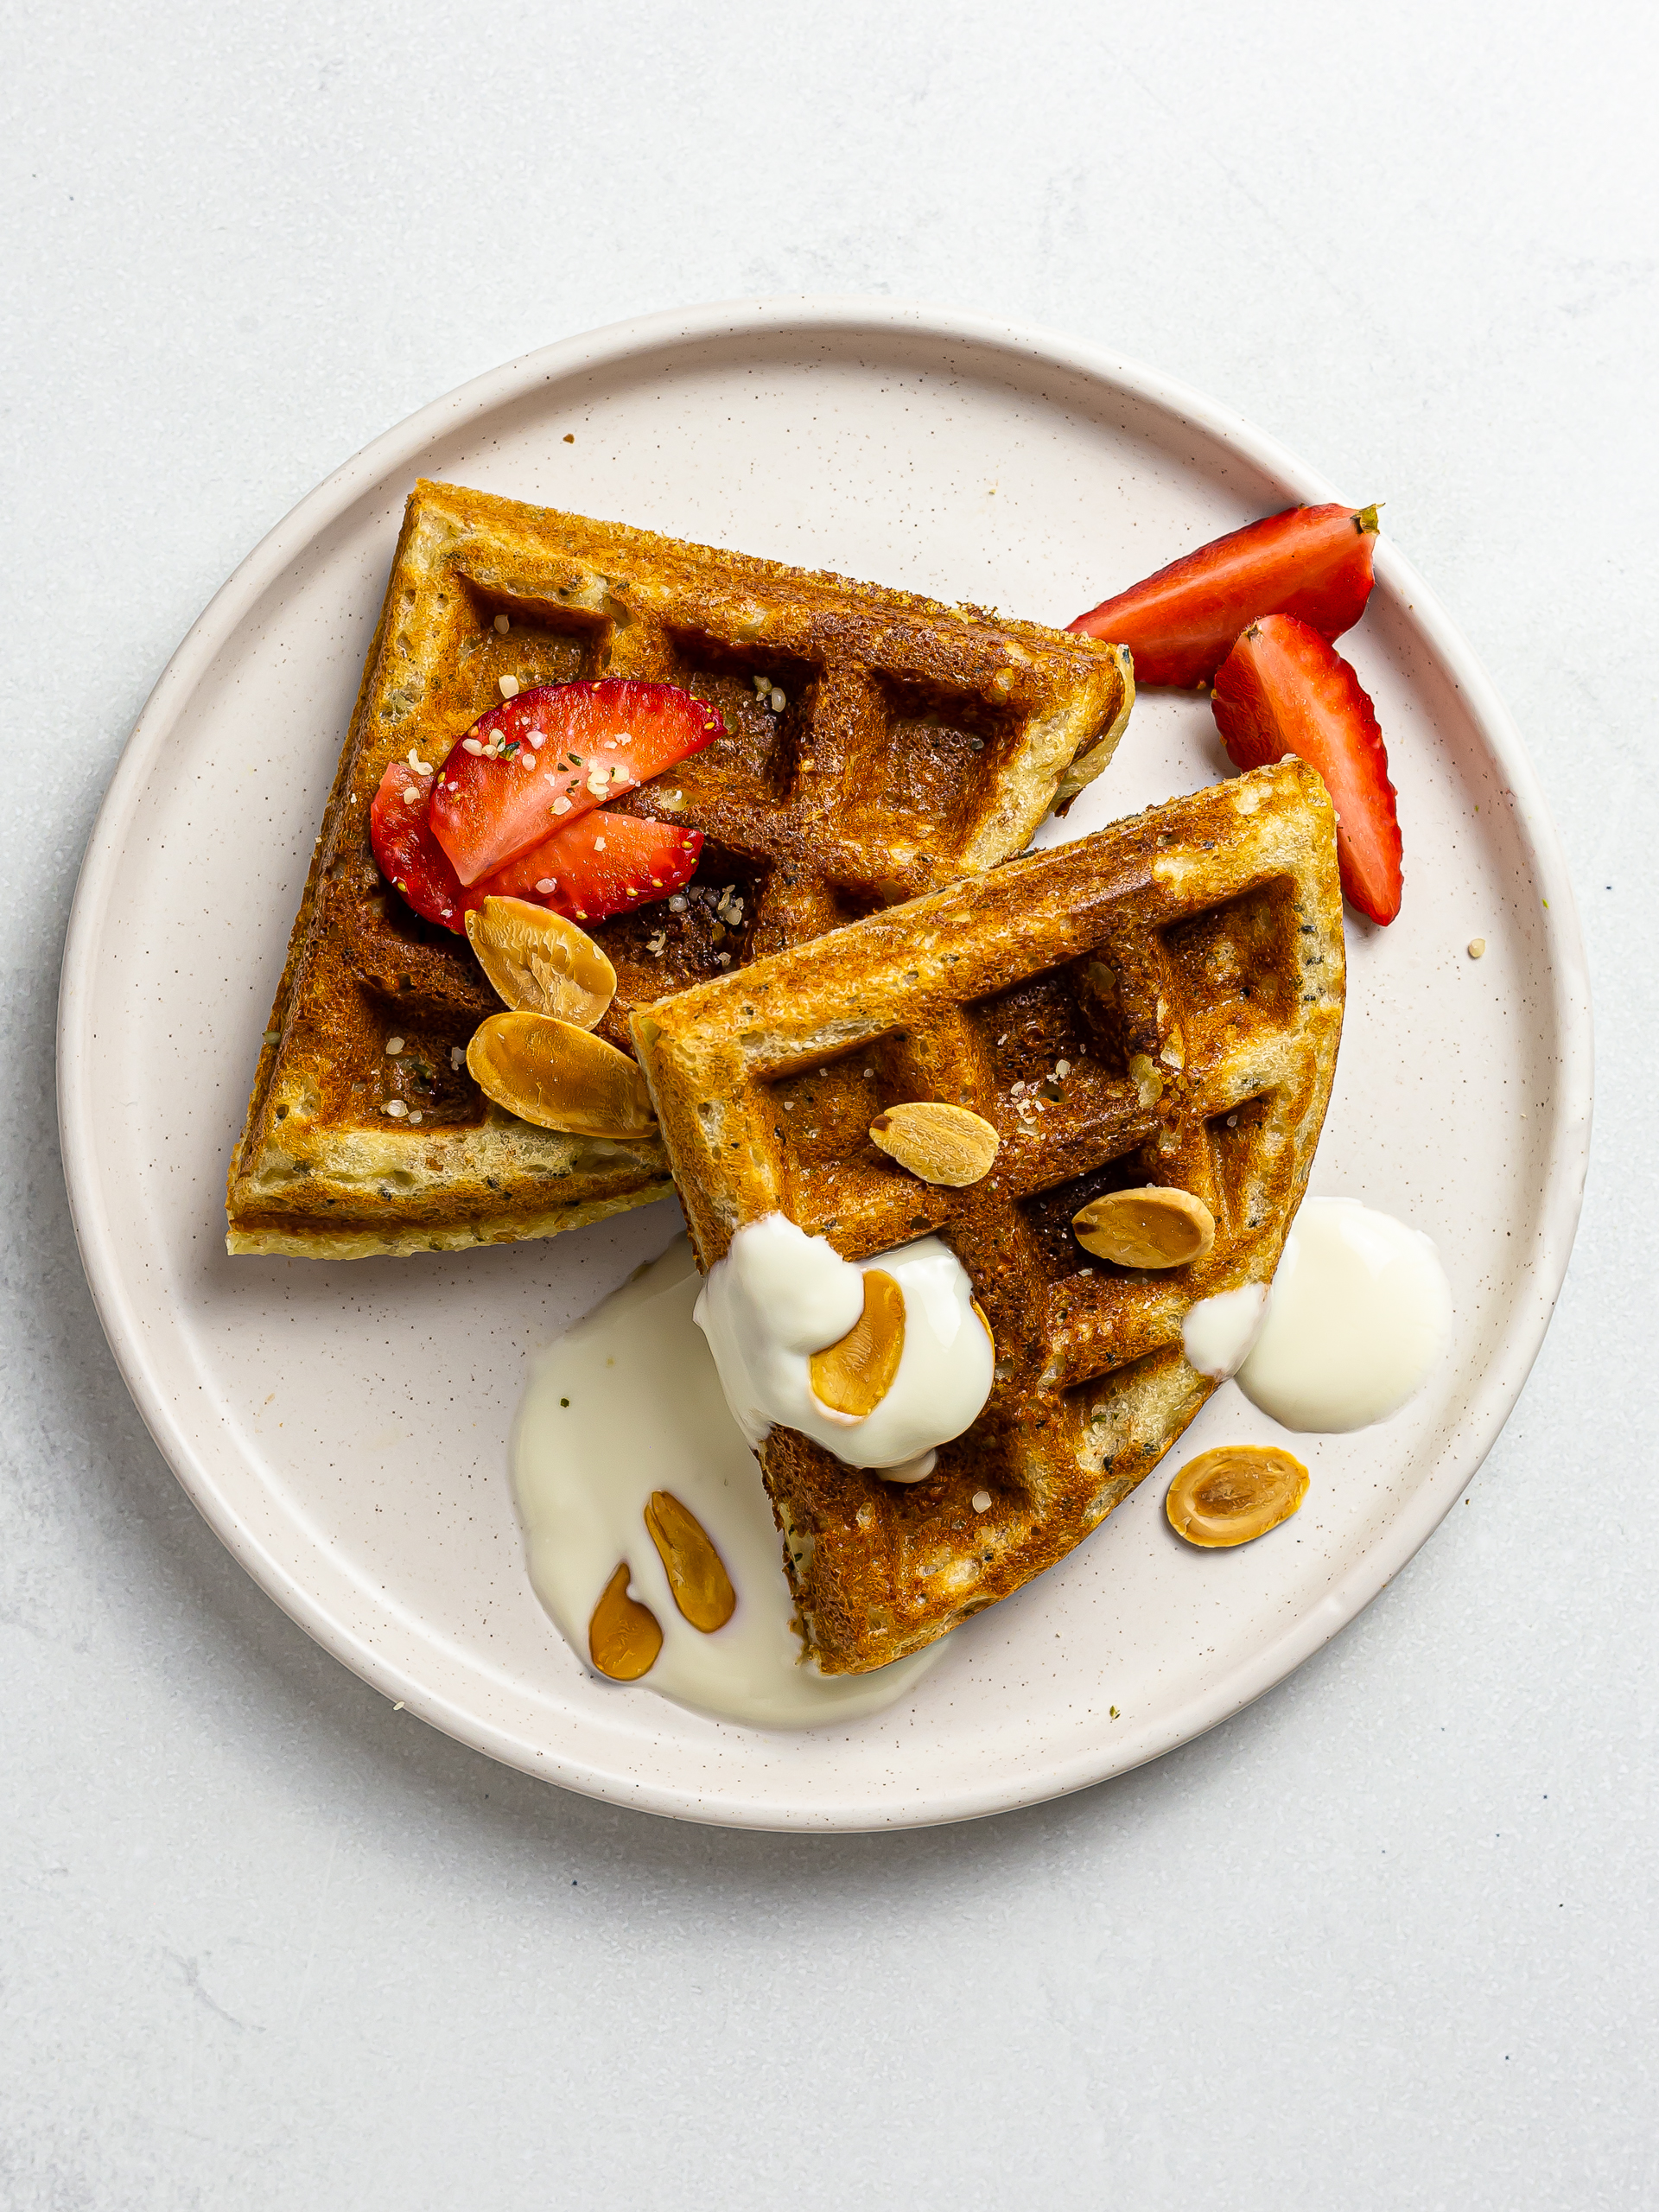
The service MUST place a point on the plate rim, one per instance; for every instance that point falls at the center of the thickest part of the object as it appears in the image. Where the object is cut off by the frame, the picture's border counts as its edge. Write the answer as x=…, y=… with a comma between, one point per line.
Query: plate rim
x=1490, y=1400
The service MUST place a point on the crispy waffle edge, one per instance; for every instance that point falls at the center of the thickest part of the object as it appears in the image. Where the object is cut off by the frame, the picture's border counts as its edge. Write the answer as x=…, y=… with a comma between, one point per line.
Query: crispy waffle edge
x=304, y=1184
x=1190, y=959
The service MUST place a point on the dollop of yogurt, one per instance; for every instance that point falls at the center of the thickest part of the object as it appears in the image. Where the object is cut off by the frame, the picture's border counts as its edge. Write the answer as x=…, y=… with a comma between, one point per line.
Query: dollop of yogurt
x=1359, y=1313
x=780, y=1295
x=628, y=1402
x=1217, y=1332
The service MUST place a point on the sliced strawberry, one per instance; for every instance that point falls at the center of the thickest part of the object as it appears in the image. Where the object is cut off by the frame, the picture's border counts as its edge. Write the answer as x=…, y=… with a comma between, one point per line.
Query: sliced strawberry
x=603, y=864
x=1285, y=688
x=1314, y=562
x=407, y=853
x=532, y=764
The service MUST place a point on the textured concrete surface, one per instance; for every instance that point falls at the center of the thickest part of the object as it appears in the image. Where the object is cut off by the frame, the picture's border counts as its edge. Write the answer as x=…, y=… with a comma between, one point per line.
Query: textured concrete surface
x=1386, y=1939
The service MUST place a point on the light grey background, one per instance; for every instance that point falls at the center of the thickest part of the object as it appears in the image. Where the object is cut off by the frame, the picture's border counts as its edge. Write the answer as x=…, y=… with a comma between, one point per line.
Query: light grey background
x=1387, y=1939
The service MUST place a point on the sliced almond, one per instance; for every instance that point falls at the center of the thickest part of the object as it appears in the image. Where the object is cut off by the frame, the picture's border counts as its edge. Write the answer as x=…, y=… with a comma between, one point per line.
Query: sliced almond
x=938, y=1143
x=623, y=1636
x=1152, y=1228
x=854, y=1374
x=557, y=1076
x=696, y=1574
x=1235, y=1493
x=540, y=963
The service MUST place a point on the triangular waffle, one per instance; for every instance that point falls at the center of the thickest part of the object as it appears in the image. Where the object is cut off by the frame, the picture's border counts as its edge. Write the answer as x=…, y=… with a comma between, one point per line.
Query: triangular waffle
x=1160, y=1002
x=914, y=743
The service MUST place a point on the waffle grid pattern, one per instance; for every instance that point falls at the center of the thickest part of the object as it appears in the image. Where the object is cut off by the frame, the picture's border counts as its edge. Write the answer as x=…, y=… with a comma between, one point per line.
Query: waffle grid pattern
x=1160, y=1002
x=912, y=743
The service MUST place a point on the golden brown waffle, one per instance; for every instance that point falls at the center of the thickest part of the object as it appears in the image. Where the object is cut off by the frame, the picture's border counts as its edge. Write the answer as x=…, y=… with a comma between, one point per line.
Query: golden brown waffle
x=914, y=742
x=1160, y=1002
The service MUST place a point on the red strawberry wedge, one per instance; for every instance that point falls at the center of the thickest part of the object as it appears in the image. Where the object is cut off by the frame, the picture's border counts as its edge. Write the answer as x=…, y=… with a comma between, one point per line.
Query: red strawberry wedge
x=406, y=851
x=1285, y=688
x=602, y=865
x=532, y=765
x=1314, y=562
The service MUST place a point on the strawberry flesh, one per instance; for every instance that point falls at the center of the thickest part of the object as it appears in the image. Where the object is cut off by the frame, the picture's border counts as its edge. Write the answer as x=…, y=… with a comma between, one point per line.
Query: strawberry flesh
x=407, y=853
x=1314, y=562
x=534, y=765
x=603, y=864
x=1285, y=688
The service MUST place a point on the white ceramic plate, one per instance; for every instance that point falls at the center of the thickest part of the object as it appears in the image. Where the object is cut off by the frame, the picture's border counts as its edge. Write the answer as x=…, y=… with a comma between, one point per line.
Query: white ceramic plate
x=344, y=1428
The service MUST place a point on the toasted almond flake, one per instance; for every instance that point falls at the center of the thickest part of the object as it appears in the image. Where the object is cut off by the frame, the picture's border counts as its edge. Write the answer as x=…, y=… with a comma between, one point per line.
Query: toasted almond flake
x=854, y=1374
x=696, y=1574
x=553, y=1074
x=982, y=1501
x=411, y=794
x=394, y=1045
x=1062, y=1068
x=1234, y=1494
x=935, y=1142
x=539, y=963
x=624, y=1637
x=560, y=805
x=415, y=1117
x=509, y=687
x=474, y=745
x=778, y=702
x=1157, y=1226
x=503, y=623
x=396, y=1108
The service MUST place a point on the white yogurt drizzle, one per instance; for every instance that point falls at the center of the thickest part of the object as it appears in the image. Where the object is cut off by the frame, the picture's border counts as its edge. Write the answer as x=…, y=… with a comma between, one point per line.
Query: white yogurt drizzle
x=1218, y=1332
x=780, y=1295
x=629, y=1402
x=1359, y=1314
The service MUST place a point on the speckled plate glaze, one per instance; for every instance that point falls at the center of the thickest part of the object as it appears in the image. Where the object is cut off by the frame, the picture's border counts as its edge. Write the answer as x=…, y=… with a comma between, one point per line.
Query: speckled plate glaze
x=344, y=1428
